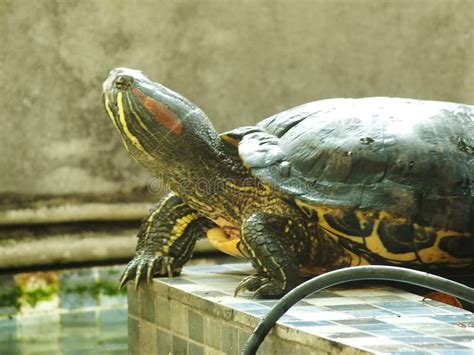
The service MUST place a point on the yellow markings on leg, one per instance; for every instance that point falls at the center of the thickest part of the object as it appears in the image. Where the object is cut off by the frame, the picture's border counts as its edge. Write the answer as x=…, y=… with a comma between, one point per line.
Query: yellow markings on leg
x=178, y=230
x=254, y=255
x=151, y=217
x=182, y=223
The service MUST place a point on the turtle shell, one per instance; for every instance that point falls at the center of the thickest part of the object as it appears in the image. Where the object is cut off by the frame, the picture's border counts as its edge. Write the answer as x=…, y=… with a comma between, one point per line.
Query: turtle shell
x=411, y=158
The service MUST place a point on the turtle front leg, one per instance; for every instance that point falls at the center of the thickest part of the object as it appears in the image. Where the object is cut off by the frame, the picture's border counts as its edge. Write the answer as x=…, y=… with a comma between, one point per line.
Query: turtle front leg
x=166, y=240
x=269, y=242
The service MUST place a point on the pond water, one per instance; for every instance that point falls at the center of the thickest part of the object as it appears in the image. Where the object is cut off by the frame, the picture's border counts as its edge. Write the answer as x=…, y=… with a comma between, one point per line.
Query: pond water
x=77, y=311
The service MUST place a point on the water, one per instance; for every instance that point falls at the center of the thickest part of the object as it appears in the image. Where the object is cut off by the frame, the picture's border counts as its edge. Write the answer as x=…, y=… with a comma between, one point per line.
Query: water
x=77, y=311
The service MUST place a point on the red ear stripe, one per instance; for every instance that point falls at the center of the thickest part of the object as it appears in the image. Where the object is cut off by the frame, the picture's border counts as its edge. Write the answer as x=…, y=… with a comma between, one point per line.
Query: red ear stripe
x=161, y=113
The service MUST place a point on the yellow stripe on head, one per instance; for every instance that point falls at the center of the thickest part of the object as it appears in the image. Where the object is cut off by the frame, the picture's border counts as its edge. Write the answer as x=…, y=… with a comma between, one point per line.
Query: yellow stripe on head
x=127, y=132
x=109, y=111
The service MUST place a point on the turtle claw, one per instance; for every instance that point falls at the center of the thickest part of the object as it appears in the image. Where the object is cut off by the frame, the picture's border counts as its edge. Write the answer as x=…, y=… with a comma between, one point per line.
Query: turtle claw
x=149, y=271
x=145, y=267
x=124, y=279
x=138, y=275
x=260, y=286
x=260, y=292
x=243, y=285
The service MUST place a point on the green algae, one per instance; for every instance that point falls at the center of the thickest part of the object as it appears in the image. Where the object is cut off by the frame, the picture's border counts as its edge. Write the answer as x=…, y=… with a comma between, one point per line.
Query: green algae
x=107, y=288
x=32, y=297
x=9, y=297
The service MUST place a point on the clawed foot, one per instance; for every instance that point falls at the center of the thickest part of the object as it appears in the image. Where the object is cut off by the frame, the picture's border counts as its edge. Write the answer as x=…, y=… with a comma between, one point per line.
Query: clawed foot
x=149, y=265
x=261, y=286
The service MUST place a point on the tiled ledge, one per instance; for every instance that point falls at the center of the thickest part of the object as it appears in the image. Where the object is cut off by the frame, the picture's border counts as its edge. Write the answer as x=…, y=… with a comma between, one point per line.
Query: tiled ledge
x=196, y=313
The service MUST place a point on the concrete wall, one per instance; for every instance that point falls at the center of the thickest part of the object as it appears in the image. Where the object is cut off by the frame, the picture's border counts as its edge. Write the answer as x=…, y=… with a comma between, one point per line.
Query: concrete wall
x=240, y=60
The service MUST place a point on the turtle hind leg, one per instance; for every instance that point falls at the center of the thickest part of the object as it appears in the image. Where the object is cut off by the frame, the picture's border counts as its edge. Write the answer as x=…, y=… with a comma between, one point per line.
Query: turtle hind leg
x=166, y=240
x=267, y=246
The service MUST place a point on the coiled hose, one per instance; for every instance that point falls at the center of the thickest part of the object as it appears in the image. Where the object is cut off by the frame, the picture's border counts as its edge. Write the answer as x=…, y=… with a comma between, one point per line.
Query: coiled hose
x=355, y=273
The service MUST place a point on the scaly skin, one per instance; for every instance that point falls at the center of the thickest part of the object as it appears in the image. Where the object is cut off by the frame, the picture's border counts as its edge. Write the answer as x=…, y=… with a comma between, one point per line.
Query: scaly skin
x=211, y=188
x=176, y=142
x=166, y=240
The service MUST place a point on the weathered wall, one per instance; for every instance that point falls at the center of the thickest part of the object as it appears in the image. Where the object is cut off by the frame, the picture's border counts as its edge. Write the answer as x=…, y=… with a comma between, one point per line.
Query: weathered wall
x=239, y=60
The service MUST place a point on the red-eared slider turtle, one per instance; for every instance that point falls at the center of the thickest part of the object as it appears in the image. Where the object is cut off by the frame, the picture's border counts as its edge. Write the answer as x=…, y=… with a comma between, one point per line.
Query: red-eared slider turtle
x=325, y=185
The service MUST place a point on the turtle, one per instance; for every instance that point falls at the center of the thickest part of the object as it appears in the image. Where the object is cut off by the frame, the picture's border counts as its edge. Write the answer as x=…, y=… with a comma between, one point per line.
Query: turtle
x=325, y=185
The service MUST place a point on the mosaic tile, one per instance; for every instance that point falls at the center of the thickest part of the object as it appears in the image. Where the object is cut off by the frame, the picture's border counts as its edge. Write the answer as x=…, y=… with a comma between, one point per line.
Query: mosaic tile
x=329, y=329
x=467, y=344
x=377, y=318
x=333, y=301
x=409, y=351
x=147, y=304
x=258, y=312
x=452, y=352
x=207, y=294
x=411, y=320
x=351, y=307
x=461, y=338
x=419, y=311
x=163, y=342
x=319, y=315
x=322, y=294
x=242, y=338
x=162, y=312
x=231, y=300
x=420, y=340
x=176, y=281
x=195, y=326
x=372, y=341
x=212, y=332
x=301, y=324
x=178, y=318
x=133, y=301
x=361, y=322
x=382, y=299
x=379, y=313
x=287, y=318
x=213, y=279
x=179, y=345
x=230, y=341
x=443, y=346
x=195, y=349
x=342, y=336
x=147, y=337
x=309, y=308
x=453, y=310
x=396, y=349
x=455, y=318
x=249, y=306
x=392, y=332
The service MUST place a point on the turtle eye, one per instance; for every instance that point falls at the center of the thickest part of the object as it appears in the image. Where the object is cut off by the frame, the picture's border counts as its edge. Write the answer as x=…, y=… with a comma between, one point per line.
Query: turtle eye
x=123, y=82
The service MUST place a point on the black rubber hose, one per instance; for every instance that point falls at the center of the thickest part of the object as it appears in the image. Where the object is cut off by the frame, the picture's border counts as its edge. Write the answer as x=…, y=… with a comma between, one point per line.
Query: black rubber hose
x=355, y=273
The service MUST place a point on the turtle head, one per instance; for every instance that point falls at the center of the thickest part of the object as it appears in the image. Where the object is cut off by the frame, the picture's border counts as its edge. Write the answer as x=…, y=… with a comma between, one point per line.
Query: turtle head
x=158, y=126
